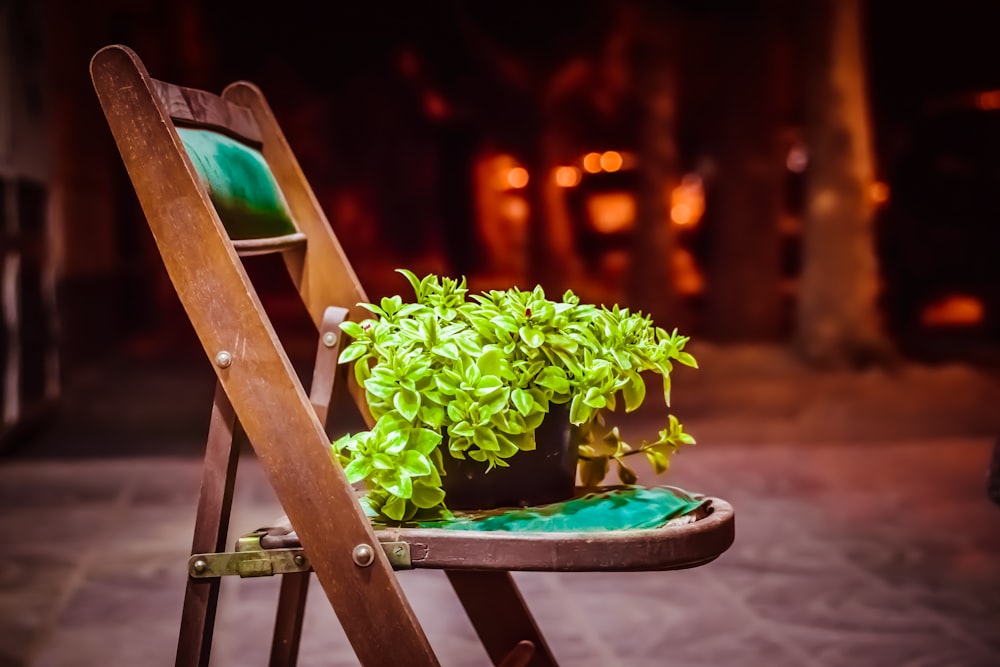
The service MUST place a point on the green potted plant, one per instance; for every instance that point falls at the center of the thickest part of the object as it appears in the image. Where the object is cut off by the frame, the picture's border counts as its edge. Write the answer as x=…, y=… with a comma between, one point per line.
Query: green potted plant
x=462, y=386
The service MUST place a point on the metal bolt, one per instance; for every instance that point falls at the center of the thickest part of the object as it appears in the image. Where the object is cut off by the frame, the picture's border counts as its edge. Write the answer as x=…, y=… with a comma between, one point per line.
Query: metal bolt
x=223, y=359
x=299, y=559
x=199, y=566
x=329, y=339
x=363, y=555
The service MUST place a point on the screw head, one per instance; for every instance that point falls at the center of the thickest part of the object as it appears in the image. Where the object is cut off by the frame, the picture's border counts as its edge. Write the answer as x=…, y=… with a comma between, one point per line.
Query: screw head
x=363, y=555
x=299, y=560
x=223, y=359
x=329, y=339
x=199, y=566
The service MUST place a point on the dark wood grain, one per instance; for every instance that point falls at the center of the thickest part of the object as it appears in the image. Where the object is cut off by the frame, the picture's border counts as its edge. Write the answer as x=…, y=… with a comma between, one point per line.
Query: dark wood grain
x=200, y=108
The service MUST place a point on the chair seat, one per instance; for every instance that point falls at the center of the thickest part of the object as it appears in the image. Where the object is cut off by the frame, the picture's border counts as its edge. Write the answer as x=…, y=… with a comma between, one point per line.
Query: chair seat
x=693, y=538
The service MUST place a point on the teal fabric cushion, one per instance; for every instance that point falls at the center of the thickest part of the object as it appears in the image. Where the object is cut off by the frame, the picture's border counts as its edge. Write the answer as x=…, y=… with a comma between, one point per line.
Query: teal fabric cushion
x=239, y=183
x=615, y=508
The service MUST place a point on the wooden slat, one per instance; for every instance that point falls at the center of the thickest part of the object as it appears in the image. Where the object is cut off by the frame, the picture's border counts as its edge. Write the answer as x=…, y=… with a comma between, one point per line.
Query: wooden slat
x=203, y=109
x=249, y=247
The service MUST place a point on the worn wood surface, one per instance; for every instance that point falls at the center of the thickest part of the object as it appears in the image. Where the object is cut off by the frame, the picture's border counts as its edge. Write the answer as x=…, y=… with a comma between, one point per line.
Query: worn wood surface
x=260, y=381
x=671, y=547
x=487, y=595
x=295, y=587
x=215, y=501
x=204, y=109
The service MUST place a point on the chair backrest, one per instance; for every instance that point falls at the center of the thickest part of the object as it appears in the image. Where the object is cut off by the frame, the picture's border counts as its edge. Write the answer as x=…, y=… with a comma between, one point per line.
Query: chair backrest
x=216, y=178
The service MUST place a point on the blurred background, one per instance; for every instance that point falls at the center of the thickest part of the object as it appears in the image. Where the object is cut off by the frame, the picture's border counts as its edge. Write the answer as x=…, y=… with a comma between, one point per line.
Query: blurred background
x=817, y=175
x=810, y=189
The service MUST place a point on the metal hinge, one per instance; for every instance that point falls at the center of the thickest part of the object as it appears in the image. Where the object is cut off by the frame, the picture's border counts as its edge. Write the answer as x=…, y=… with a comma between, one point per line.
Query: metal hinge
x=252, y=560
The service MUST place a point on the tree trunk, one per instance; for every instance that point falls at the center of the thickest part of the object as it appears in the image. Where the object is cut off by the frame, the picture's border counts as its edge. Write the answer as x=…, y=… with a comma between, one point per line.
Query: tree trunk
x=743, y=300
x=838, y=323
x=651, y=285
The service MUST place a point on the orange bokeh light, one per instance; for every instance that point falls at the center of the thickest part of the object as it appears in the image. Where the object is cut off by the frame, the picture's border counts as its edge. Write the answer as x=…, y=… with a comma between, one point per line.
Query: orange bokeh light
x=612, y=212
x=592, y=162
x=611, y=161
x=687, y=202
x=517, y=177
x=567, y=177
x=879, y=192
x=953, y=310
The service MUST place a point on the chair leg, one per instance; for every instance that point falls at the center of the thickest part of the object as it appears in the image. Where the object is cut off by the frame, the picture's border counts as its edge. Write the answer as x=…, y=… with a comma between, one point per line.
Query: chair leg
x=292, y=598
x=194, y=643
x=487, y=596
x=288, y=623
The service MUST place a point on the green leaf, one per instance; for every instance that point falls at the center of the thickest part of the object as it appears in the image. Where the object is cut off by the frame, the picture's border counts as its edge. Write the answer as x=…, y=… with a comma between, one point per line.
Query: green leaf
x=447, y=382
x=412, y=278
x=686, y=359
x=593, y=471
x=407, y=402
x=564, y=342
x=522, y=401
x=462, y=428
x=424, y=440
x=531, y=336
x=426, y=496
x=507, y=446
x=626, y=474
x=414, y=463
x=361, y=373
x=457, y=445
x=358, y=469
x=595, y=398
x=579, y=411
x=394, y=508
x=380, y=388
x=352, y=329
x=486, y=439
x=658, y=460
x=398, y=484
x=394, y=442
x=432, y=415
x=553, y=378
x=383, y=462
x=447, y=350
x=634, y=392
x=352, y=352
x=489, y=362
x=505, y=322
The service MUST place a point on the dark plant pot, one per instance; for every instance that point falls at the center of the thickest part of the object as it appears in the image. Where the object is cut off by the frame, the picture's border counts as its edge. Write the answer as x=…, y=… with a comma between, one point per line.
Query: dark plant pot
x=545, y=475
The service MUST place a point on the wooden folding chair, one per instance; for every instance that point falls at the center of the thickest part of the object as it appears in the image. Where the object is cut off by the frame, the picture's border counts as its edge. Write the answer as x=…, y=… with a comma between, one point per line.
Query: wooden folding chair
x=217, y=180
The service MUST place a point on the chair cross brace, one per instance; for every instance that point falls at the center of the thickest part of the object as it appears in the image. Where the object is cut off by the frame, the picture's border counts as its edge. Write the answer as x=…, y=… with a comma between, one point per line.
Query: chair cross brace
x=252, y=560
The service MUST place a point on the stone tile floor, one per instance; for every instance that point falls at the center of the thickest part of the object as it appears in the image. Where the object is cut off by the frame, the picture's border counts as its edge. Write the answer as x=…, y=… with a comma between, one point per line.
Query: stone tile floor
x=848, y=552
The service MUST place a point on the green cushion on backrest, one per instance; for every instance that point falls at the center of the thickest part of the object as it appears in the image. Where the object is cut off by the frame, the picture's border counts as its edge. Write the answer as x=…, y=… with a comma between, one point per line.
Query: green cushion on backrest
x=618, y=508
x=240, y=184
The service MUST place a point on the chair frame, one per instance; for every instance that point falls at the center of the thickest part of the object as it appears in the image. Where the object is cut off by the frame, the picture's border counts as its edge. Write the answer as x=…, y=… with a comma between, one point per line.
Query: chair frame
x=259, y=394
